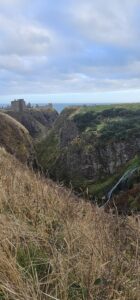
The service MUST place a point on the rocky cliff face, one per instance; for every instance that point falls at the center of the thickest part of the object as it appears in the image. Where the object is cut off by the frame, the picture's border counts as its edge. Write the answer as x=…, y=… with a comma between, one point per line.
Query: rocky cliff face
x=37, y=121
x=90, y=149
x=94, y=162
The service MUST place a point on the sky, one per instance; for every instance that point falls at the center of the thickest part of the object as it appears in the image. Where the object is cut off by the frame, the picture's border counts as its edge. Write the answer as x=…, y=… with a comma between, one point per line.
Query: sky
x=70, y=50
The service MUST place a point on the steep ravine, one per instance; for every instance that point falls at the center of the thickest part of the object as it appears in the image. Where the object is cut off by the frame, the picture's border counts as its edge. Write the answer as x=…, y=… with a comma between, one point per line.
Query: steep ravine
x=37, y=121
x=91, y=150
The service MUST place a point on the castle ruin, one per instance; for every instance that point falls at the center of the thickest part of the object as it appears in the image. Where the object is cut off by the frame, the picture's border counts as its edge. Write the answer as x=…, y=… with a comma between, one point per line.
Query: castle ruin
x=18, y=105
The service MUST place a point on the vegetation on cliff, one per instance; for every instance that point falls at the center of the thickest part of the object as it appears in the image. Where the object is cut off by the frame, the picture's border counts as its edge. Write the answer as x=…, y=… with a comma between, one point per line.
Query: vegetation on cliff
x=54, y=246
x=91, y=147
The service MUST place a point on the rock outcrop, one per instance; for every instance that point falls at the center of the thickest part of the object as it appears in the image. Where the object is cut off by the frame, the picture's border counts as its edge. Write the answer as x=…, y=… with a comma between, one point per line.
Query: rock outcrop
x=37, y=121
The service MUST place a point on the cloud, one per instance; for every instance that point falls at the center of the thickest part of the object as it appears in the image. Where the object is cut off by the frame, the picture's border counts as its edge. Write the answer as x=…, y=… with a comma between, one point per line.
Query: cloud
x=107, y=21
x=69, y=46
x=23, y=38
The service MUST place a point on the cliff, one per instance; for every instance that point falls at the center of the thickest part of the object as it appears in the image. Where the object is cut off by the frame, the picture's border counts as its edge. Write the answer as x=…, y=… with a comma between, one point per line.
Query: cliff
x=37, y=121
x=91, y=147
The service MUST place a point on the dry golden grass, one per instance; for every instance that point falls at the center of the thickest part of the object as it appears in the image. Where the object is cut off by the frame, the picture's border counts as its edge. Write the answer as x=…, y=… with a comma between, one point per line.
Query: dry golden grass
x=53, y=246
x=15, y=138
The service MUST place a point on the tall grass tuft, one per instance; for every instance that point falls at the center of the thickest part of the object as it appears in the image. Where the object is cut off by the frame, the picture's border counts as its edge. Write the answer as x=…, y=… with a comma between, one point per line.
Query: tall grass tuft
x=55, y=246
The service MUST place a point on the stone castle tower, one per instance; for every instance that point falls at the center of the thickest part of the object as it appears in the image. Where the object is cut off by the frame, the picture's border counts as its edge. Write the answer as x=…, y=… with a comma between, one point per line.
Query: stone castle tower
x=18, y=105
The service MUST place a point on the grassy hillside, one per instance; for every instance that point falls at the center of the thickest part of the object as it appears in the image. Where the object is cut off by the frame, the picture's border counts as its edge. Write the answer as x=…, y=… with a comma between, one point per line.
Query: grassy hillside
x=108, y=122
x=15, y=138
x=53, y=246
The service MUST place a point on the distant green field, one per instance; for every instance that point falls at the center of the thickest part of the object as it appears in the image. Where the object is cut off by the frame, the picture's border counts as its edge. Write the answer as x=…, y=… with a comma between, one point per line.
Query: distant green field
x=99, y=108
